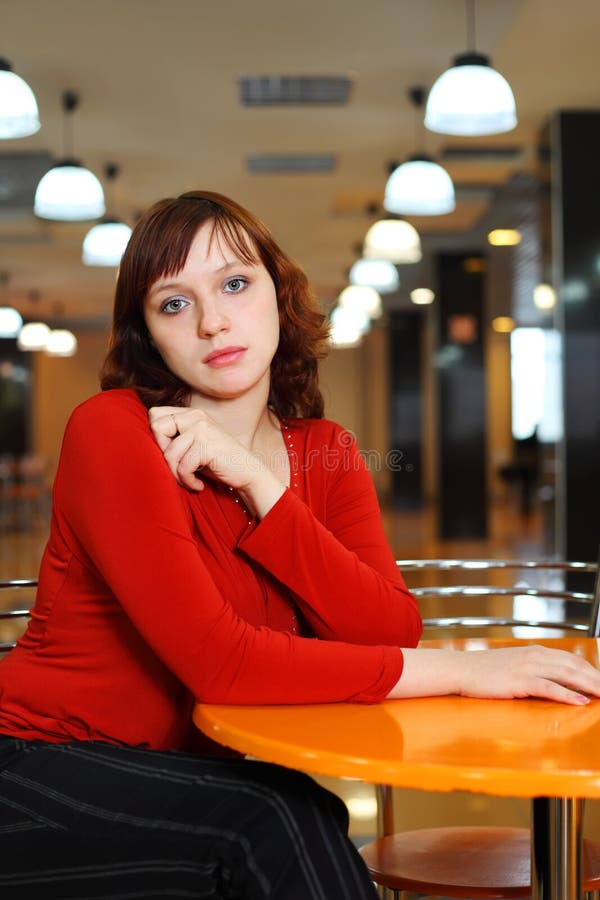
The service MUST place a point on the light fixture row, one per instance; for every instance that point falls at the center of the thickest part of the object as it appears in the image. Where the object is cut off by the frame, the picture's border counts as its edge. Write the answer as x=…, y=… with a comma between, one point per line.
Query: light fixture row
x=36, y=335
x=68, y=192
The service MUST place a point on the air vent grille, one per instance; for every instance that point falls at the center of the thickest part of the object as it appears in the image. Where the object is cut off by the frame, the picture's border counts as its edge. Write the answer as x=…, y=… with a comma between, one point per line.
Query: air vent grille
x=19, y=177
x=289, y=163
x=487, y=154
x=284, y=90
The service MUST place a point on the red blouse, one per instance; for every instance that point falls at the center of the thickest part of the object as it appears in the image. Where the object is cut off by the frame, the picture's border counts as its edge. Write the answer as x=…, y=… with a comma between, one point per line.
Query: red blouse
x=150, y=595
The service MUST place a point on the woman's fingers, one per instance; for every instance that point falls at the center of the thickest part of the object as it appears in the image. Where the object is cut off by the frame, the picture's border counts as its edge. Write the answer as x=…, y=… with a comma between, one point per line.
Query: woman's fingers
x=533, y=671
x=163, y=423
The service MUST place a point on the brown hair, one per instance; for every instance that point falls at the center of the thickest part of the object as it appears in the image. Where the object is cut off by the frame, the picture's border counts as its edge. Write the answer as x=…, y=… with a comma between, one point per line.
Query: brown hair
x=159, y=247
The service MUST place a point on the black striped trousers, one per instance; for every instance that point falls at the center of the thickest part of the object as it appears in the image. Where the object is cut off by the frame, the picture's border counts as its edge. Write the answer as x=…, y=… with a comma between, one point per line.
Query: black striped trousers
x=89, y=820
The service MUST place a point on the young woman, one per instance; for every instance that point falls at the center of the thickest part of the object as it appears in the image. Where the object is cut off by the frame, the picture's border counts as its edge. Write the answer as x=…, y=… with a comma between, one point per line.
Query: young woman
x=213, y=538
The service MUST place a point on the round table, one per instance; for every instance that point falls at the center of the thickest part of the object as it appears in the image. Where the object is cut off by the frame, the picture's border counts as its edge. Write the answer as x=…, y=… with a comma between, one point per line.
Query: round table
x=532, y=748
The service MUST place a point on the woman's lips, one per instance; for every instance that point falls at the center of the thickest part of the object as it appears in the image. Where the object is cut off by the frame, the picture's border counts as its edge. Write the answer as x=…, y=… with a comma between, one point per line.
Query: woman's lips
x=225, y=357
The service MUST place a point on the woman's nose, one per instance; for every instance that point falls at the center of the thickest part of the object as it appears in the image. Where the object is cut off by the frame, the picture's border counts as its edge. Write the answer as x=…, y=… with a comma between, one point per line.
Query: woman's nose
x=211, y=320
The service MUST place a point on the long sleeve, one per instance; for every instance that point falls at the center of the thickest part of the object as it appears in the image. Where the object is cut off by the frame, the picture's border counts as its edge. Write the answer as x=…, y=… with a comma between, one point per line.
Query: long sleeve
x=120, y=509
x=342, y=571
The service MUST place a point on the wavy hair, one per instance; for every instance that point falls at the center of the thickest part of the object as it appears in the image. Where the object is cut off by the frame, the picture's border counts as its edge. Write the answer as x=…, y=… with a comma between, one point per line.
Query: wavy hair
x=159, y=247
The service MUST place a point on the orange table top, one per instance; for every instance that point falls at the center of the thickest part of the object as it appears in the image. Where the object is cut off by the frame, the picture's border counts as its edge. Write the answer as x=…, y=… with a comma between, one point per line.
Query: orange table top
x=522, y=748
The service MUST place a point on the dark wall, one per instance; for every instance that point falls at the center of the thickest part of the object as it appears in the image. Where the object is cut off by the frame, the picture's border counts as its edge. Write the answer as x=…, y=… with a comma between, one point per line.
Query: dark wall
x=405, y=349
x=576, y=225
x=460, y=375
x=14, y=399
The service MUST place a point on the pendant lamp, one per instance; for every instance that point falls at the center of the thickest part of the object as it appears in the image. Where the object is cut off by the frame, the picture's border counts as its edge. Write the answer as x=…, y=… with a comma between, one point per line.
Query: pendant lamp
x=362, y=298
x=10, y=322
x=348, y=326
x=394, y=240
x=33, y=336
x=422, y=296
x=61, y=342
x=105, y=243
x=18, y=108
x=471, y=98
x=69, y=192
x=420, y=186
x=380, y=274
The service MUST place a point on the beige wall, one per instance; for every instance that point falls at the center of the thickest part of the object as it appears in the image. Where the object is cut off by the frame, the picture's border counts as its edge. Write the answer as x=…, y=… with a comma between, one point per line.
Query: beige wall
x=498, y=389
x=354, y=382
x=59, y=385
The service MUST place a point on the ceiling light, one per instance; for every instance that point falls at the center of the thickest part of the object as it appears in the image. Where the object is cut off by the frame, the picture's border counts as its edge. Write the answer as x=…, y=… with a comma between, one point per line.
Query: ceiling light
x=544, y=296
x=420, y=187
x=380, y=274
x=351, y=317
x=422, y=296
x=69, y=192
x=348, y=326
x=366, y=299
x=104, y=244
x=471, y=98
x=61, y=342
x=33, y=336
x=503, y=324
x=394, y=240
x=504, y=237
x=10, y=322
x=18, y=108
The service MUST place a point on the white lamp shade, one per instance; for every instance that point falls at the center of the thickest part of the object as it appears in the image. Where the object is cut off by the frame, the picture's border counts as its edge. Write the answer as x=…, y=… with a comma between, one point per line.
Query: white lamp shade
x=544, y=296
x=33, y=336
x=10, y=322
x=380, y=274
x=419, y=187
x=104, y=244
x=422, y=296
x=362, y=298
x=471, y=98
x=347, y=326
x=69, y=193
x=18, y=108
x=61, y=342
x=394, y=240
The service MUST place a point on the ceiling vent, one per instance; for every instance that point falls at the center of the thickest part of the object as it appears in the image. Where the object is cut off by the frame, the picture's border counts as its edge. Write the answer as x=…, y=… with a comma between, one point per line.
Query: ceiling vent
x=19, y=177
x=496, y=153
x=289, y=163
x=278, y=90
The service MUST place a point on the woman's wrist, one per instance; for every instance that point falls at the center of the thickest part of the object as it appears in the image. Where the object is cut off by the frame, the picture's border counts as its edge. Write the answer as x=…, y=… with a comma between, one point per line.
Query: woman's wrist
x=262, y=492
x=428, y=673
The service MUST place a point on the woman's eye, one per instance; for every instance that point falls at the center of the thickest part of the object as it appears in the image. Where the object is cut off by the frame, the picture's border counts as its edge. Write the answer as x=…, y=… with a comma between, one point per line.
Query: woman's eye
x=174, y=305
x=235, y=285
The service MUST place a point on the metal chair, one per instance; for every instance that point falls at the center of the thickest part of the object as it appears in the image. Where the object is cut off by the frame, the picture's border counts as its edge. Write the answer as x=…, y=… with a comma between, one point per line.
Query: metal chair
x=480, y=861
x=13, y=614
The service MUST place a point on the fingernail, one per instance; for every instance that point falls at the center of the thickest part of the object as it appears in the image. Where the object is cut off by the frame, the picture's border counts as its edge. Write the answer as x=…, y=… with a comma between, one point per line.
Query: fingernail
x=582, y=699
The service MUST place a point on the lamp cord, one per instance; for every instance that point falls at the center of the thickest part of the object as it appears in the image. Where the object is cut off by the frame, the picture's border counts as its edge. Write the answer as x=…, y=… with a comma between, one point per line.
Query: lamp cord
x=470, y=4
x=68, y=134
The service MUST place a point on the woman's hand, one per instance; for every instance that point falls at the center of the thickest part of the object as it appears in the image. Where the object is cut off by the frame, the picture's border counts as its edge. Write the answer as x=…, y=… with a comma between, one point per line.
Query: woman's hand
x=192, y=442
x=531, y=671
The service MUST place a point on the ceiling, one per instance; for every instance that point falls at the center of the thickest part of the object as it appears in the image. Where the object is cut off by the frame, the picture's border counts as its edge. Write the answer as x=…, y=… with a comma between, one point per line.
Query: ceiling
x=159, y=96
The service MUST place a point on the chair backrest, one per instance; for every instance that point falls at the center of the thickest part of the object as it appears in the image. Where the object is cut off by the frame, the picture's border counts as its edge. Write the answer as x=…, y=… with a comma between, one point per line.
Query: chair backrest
x=12, y=620
x=556, y=606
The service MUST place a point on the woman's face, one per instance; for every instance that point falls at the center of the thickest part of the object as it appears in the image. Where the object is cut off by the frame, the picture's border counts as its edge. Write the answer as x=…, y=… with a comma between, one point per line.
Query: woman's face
x=215, y=322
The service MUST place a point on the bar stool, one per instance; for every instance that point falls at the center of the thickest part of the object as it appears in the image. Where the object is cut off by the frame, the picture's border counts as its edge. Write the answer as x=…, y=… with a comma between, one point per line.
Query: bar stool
x=477, y=861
